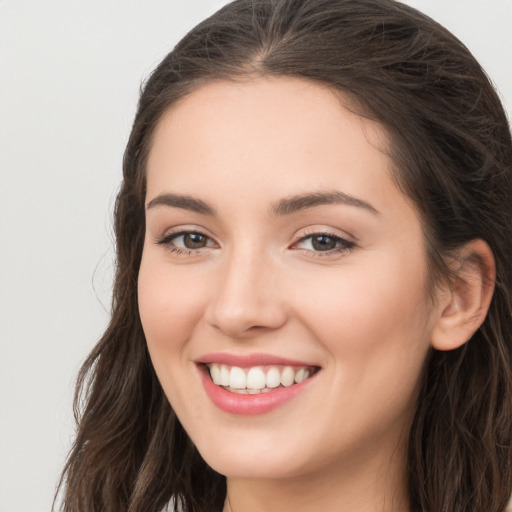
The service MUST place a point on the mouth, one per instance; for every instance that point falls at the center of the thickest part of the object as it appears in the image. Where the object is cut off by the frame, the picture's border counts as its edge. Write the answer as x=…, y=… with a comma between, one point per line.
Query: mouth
x=254, y=384
x=258, y=379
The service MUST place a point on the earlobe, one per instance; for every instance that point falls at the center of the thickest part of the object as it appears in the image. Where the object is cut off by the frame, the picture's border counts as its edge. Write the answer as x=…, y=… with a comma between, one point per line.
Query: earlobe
x=465, y=298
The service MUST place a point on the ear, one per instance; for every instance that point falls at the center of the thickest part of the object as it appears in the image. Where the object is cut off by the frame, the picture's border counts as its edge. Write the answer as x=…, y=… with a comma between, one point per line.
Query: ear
x=465, y=297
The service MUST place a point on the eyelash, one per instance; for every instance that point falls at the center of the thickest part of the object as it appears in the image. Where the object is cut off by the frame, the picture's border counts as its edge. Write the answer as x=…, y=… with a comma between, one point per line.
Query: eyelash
x=343, y=245
x=167, y=240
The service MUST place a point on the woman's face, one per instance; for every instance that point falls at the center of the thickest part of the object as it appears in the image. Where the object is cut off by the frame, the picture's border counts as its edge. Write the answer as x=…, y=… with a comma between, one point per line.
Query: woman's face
x=281, y=259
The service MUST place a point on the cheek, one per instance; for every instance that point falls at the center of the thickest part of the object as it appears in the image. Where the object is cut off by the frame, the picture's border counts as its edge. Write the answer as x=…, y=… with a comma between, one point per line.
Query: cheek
x=373, y=317
x=375, y=327
x=171, y=303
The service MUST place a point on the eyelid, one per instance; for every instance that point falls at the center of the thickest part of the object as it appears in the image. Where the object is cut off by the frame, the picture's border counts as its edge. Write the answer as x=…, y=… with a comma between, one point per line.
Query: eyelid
x=348, y=243
x=327, y=231
x=177, y=231
x=343, y=243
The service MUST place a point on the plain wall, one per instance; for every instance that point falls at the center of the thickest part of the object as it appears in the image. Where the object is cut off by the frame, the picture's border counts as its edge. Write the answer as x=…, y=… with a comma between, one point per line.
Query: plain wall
x=70, y=73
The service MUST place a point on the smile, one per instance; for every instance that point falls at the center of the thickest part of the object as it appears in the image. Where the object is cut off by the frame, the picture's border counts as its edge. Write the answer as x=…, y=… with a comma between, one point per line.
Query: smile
x=257, y=379
x=254, y=384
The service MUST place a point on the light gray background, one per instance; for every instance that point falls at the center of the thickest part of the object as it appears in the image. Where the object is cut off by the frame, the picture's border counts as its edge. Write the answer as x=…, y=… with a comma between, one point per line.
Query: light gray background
x=70, y=72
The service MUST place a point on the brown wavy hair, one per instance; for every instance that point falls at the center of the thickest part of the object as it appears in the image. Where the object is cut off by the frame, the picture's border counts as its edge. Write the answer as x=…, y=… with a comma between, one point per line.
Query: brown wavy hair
x=452, y=154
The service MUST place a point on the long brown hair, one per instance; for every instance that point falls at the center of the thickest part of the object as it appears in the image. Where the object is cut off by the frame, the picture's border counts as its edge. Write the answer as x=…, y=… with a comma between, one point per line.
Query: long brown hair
x=452, y=151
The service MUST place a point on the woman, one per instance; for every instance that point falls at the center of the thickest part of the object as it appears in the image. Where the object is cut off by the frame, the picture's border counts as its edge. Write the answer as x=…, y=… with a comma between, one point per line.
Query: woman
x=312, y=304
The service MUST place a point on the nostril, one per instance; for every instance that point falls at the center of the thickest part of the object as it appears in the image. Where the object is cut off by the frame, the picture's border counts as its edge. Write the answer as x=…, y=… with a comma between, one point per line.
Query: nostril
x=245, y=300
x=242, y=323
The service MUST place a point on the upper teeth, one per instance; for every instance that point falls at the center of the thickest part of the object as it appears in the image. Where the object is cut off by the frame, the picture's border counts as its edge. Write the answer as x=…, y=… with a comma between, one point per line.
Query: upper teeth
x=257, y=377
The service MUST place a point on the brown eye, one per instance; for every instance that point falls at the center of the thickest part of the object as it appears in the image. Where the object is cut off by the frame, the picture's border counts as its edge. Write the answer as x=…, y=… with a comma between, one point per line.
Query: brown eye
x=189, y=240
x=327, y=243
x=323, y=242
x=194, y=240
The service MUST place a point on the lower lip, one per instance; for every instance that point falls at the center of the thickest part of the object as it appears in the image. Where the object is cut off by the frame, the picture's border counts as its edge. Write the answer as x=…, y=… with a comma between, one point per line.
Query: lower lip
x=250, y=405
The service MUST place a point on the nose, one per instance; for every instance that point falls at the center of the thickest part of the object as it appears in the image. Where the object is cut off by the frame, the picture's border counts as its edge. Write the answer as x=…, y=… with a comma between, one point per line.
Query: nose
x=247, y=299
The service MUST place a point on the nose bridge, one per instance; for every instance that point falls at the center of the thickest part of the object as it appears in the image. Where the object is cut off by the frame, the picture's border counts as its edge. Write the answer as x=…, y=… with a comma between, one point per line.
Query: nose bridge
x=246, y=295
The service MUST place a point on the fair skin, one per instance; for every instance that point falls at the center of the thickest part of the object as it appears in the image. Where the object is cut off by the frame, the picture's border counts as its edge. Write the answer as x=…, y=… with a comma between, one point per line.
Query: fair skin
x=334, y=284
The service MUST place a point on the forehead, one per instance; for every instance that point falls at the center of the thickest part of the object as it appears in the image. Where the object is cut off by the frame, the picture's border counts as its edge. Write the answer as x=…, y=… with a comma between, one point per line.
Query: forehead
x=280, y=136
x=268, y=104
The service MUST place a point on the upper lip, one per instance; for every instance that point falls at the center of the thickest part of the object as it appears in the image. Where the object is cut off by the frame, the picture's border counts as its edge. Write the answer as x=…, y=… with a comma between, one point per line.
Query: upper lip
x=249, y=360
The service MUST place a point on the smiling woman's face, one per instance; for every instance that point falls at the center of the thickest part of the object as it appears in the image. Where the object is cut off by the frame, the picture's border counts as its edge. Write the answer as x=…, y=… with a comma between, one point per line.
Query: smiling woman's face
x=278, y=249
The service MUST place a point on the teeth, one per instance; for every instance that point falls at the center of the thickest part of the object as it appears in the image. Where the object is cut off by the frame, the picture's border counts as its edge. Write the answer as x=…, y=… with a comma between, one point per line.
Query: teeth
x=224, y=376
x=237, y=378
x=301, y=375
x=273, y=379
x=255, y=380
x=215, y=373
x=287, y=376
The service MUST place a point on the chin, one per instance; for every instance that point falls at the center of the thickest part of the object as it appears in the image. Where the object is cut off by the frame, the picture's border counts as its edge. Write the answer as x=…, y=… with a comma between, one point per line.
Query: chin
x=232, y=464
x=258, y=454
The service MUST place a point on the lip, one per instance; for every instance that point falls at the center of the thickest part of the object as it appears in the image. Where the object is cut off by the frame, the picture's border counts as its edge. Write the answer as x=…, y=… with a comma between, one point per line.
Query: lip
x=248, y=360
x=247, y=404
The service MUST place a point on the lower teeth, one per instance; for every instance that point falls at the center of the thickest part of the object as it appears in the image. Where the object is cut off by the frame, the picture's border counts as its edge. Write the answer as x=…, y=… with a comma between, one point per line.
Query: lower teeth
x=247, y=391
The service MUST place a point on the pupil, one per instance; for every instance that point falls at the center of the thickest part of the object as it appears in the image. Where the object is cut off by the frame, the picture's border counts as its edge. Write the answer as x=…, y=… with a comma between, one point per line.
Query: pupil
x=194, y=241
x=323, y=243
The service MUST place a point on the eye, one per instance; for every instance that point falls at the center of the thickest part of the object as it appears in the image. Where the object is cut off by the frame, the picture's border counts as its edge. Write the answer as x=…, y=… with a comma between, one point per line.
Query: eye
x=324, y=243
x=191, y=240
x=186, y=240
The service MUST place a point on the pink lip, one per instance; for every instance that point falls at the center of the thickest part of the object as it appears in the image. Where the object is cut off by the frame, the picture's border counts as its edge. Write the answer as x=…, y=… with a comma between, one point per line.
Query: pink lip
x=245, y=404
x=245, y=361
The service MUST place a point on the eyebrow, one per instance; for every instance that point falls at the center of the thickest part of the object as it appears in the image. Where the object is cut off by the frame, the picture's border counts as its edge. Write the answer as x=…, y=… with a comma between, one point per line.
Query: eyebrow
x=293, y=204
x=285, y=206
x=182, y=201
